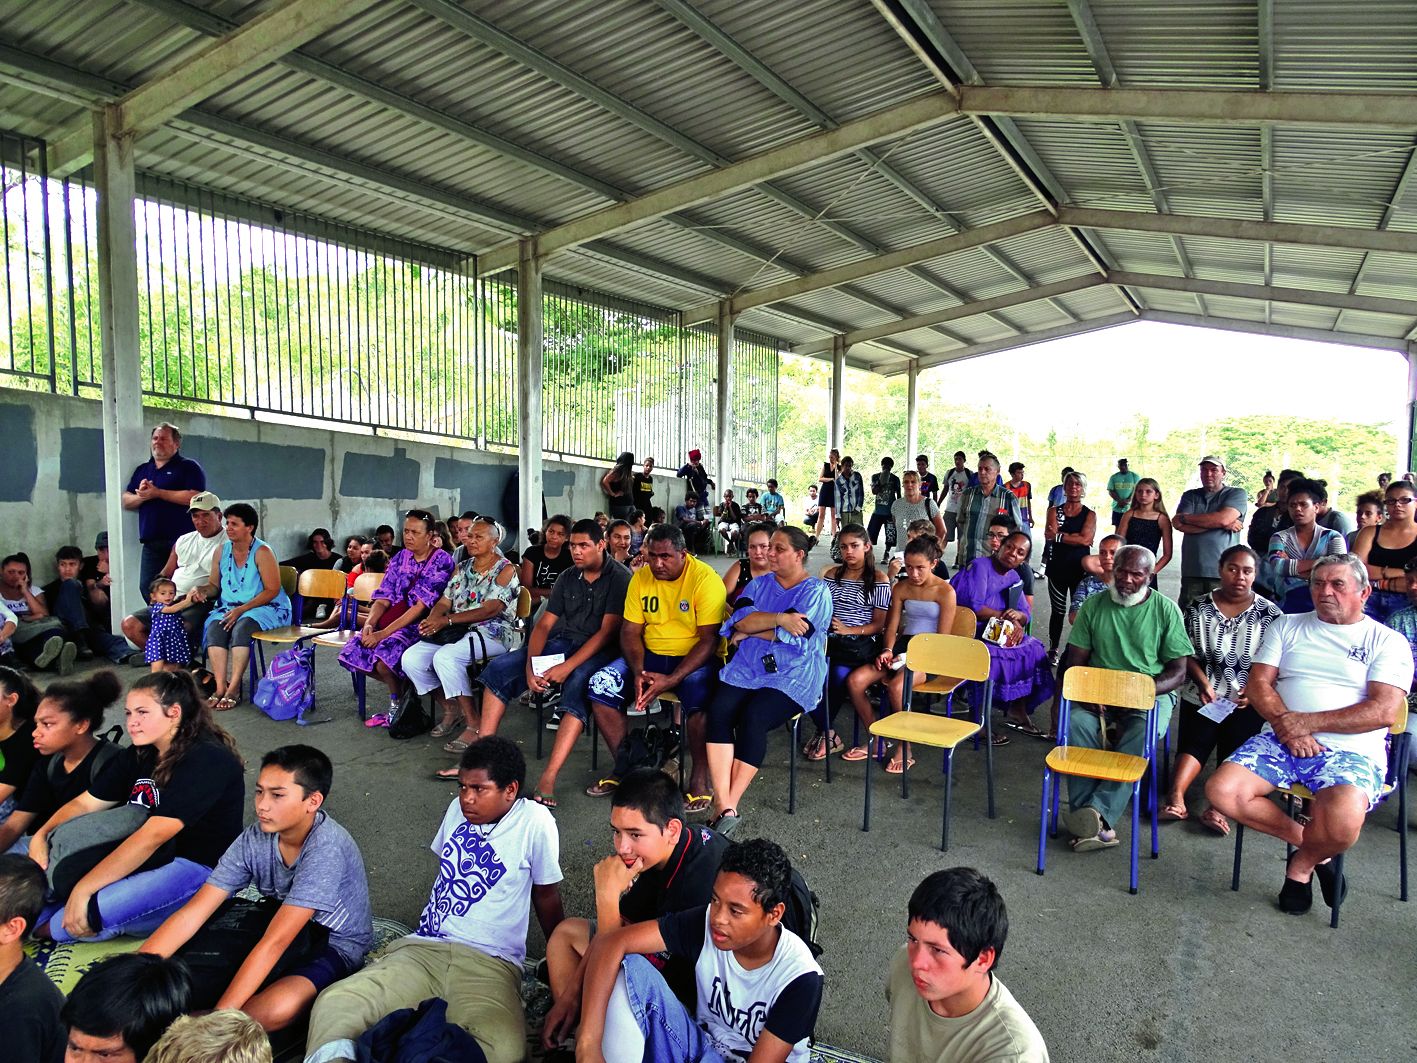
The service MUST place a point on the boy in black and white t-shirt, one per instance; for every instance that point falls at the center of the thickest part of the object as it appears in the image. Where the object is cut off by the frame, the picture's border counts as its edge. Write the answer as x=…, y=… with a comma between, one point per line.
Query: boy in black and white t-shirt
x=759, y=988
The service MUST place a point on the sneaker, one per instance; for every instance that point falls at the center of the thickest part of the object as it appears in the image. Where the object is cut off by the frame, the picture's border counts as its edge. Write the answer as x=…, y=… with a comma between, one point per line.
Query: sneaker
x=380, y=719
x=67, y=655
x=53, y=646
x=553, y=723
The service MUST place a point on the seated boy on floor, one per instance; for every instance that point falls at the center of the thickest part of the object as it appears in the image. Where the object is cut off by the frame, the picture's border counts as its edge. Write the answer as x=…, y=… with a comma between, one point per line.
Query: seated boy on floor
x=759, y=989
x=314, y=918
x=29, y=1001
x=661, y=864
x=946, y=1004
x=498, y=858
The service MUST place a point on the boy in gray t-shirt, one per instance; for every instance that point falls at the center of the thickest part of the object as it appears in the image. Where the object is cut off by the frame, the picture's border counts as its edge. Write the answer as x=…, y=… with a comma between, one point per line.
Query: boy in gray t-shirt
x=294, y=853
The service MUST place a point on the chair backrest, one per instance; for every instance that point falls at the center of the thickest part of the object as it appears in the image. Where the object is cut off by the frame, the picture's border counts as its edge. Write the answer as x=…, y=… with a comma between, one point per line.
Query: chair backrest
x=1104, y=686
x=1400, y=724
x=322, y=583
x=949, y=655
x=289, y=581
x=966, y=623
x=365, y=584
x=523, y=604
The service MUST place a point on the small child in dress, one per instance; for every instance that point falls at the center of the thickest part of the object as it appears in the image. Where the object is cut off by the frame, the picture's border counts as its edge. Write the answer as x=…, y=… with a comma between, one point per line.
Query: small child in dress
x=167, y=650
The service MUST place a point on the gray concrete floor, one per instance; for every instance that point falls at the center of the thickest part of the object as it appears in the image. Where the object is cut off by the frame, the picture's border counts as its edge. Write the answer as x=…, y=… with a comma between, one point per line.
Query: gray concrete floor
x=1186, y=970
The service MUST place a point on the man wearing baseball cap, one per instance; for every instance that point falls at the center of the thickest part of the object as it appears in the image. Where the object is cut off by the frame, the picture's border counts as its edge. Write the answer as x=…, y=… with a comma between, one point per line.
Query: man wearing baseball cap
x=189, y=565
x=1210, y=517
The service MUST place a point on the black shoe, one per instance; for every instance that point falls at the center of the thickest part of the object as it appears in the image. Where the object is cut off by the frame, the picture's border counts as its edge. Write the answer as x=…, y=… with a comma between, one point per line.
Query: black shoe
x=1334, y=887
x=1296, y=898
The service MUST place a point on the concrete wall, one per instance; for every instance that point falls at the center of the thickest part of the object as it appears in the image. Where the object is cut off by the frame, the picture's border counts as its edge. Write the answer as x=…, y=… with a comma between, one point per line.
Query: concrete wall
x=51, y=476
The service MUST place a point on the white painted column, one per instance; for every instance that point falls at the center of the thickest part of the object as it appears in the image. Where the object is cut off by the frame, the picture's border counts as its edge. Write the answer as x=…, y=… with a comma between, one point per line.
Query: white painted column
x=912, y=416
x=1411, y=447
x=529, y=368
x=124, y=434
x=836, y=428
x=723, y=475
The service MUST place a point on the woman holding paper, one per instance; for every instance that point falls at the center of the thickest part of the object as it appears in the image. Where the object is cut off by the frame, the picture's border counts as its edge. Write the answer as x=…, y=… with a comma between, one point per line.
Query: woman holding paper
x=1225, y=627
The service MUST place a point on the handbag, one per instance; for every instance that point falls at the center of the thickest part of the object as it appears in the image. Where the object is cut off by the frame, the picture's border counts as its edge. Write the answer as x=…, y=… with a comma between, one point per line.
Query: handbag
x=449, y=635
x=853, y=649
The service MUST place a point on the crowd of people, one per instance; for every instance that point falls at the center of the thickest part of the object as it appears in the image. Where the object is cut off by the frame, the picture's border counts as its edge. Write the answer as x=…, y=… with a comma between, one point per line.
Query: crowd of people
x=1287, y=664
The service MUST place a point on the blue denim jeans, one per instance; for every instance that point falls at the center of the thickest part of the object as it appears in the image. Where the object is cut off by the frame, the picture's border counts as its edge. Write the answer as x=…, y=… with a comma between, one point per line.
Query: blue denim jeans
x=138, y=904
x=69, y=606
x=505, y=676
x=643, y=999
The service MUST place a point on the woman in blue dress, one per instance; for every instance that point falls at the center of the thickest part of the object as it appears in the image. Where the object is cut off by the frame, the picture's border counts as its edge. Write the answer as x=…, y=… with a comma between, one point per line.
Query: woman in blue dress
x=246, y=577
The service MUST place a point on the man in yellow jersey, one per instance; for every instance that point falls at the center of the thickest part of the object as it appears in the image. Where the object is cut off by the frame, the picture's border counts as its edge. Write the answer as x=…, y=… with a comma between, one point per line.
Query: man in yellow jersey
x=673, y=610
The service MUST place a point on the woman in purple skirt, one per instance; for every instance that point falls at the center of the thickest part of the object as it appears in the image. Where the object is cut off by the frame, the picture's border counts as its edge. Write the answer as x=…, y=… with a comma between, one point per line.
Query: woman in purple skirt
x=412, y=585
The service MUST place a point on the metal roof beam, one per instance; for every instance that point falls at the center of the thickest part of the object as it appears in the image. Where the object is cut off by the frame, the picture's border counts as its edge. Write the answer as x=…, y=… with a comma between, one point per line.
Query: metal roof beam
x=222, y=64
x=1301, y=296
x=790, y=157
x=1399, y=192
x=1287, y=332
x=1028, y=339
x=1361, y=110
x=1303, y=235
x=955, y=313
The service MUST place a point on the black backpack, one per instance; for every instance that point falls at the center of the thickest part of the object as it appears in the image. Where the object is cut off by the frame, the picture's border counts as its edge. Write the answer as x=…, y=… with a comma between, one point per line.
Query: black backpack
x=802, y=912
x=108, y=747
x=645, y=747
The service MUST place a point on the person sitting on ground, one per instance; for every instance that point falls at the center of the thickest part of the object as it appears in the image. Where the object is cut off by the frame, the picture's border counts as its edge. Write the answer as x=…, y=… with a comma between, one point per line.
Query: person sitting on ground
x=226, y=1036
x=580, y=625
x=1210, y=518
x=861, y=598
x=474, y=620
x=412, y=585
x=1131, y=628
x=65, y=597
x=1328, y=684
x=696, y=482
x=38, y=638
x=980, y=502
x=1226, y=628
x=1367, y=513
x=247, y=579
x=1146, y=524
x=9, y=624
x=66, y=723
x=1386, y=549
x=850, y=494
x=914, y=505
x=1293, y=551
x=1018, y=665
x=673, y=610
x=946, y=1003
x=754, y=514
x=758, y=987
x=729, y=515
x=498, y=861
x=29, y=1001
x=686, y=519
x=1071, y=528
x=189, y=565
x=660, y=865
x=122, y=1006
x=19, y=700
x=617, y=541
x=180, y=782
x=756, y=562
x=921, y=603
x=774, y=505
x=383, y=538
x=96, y=576
x=885, y=489
x=779, y=624
x=319, y=553
x=1097, y=573
x=314, y=918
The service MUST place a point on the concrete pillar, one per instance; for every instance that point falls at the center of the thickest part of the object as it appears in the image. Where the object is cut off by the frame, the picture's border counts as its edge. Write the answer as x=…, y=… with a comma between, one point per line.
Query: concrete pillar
x=124, y=434
x=836, y=433
x=912, y=415
x=723, y=410
x=529, y=366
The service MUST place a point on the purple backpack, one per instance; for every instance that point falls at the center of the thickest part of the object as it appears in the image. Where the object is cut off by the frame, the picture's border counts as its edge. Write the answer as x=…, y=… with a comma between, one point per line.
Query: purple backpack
x=287, y=691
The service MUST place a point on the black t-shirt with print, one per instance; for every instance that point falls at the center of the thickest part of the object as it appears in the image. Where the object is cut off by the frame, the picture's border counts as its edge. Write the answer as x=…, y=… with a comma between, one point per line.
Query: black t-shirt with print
x=544, y=570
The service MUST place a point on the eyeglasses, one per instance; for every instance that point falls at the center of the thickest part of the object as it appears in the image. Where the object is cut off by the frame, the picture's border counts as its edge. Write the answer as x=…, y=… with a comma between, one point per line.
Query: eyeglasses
x=1406, y=500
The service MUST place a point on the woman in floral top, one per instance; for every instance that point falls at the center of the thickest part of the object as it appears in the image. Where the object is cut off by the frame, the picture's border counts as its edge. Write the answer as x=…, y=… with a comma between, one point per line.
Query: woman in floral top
x=481, y=593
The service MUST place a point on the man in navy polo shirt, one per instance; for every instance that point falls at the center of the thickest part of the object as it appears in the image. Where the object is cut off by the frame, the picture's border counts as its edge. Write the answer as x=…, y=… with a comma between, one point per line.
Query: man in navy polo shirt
x=160, y=491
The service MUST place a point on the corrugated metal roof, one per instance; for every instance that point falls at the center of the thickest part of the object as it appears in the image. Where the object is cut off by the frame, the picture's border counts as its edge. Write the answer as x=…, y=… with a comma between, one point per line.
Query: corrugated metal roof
x=548, y=110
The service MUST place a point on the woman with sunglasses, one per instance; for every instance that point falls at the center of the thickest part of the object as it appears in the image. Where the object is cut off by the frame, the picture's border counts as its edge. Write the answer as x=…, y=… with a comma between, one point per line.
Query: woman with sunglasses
x=1387, y=547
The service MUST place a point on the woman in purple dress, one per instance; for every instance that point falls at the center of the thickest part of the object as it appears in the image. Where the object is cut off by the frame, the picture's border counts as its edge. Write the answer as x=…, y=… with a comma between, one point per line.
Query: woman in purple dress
x=992, y=587
x=411, y=586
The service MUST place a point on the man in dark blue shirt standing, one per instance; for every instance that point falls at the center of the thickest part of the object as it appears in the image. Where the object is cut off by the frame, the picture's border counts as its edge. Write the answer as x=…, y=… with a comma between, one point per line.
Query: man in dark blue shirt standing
x=160, y=490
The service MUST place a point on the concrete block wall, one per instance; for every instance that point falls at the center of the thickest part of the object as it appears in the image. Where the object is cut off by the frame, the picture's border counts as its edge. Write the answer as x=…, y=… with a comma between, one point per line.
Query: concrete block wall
x=298, y=478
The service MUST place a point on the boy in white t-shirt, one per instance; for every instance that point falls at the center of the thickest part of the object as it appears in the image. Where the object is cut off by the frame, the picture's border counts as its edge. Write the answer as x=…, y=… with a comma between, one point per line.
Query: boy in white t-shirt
x=946, y=1004
x=759, y=988
x=496, y=852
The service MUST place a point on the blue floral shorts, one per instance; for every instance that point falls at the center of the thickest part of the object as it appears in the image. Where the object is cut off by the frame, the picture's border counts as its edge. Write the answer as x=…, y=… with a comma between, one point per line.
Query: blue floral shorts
x=1267, y=757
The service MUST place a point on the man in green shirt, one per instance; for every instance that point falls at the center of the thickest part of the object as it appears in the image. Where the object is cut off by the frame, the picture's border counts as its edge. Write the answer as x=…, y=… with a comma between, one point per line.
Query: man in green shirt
x=1130, y=629
x=1120, y=486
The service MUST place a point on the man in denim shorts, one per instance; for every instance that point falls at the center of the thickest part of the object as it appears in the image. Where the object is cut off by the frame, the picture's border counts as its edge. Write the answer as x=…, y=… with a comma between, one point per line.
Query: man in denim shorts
x=1329, y=685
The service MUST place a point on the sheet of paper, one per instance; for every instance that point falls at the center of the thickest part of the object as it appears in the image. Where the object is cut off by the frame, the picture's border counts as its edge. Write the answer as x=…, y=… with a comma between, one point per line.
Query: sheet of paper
x=1218, y=709
x=541, y=665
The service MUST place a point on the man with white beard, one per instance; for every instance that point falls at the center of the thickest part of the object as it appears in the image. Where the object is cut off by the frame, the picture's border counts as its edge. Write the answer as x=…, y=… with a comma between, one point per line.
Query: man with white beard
x=1131, y=629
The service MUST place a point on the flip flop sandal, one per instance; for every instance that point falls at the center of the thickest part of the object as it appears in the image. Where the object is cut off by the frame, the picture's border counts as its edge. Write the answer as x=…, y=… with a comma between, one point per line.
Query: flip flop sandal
x=223, y=704
x=855, y=753
x=1024, y=727
x=445, y=728
x=446, y=774
x=1213, y=821
x=1107, y=839
x=457, y=745
x=1170, y=814
x=697, y=804
x=1000, y=740
x=544, y=800
x=894, y=768
x=602, y=788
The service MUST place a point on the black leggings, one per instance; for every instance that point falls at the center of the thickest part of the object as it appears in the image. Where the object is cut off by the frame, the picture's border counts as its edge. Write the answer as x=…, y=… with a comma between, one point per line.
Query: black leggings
x=879, y=521
x=742, y=718
x=1199, y=737
x=1060, y=592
